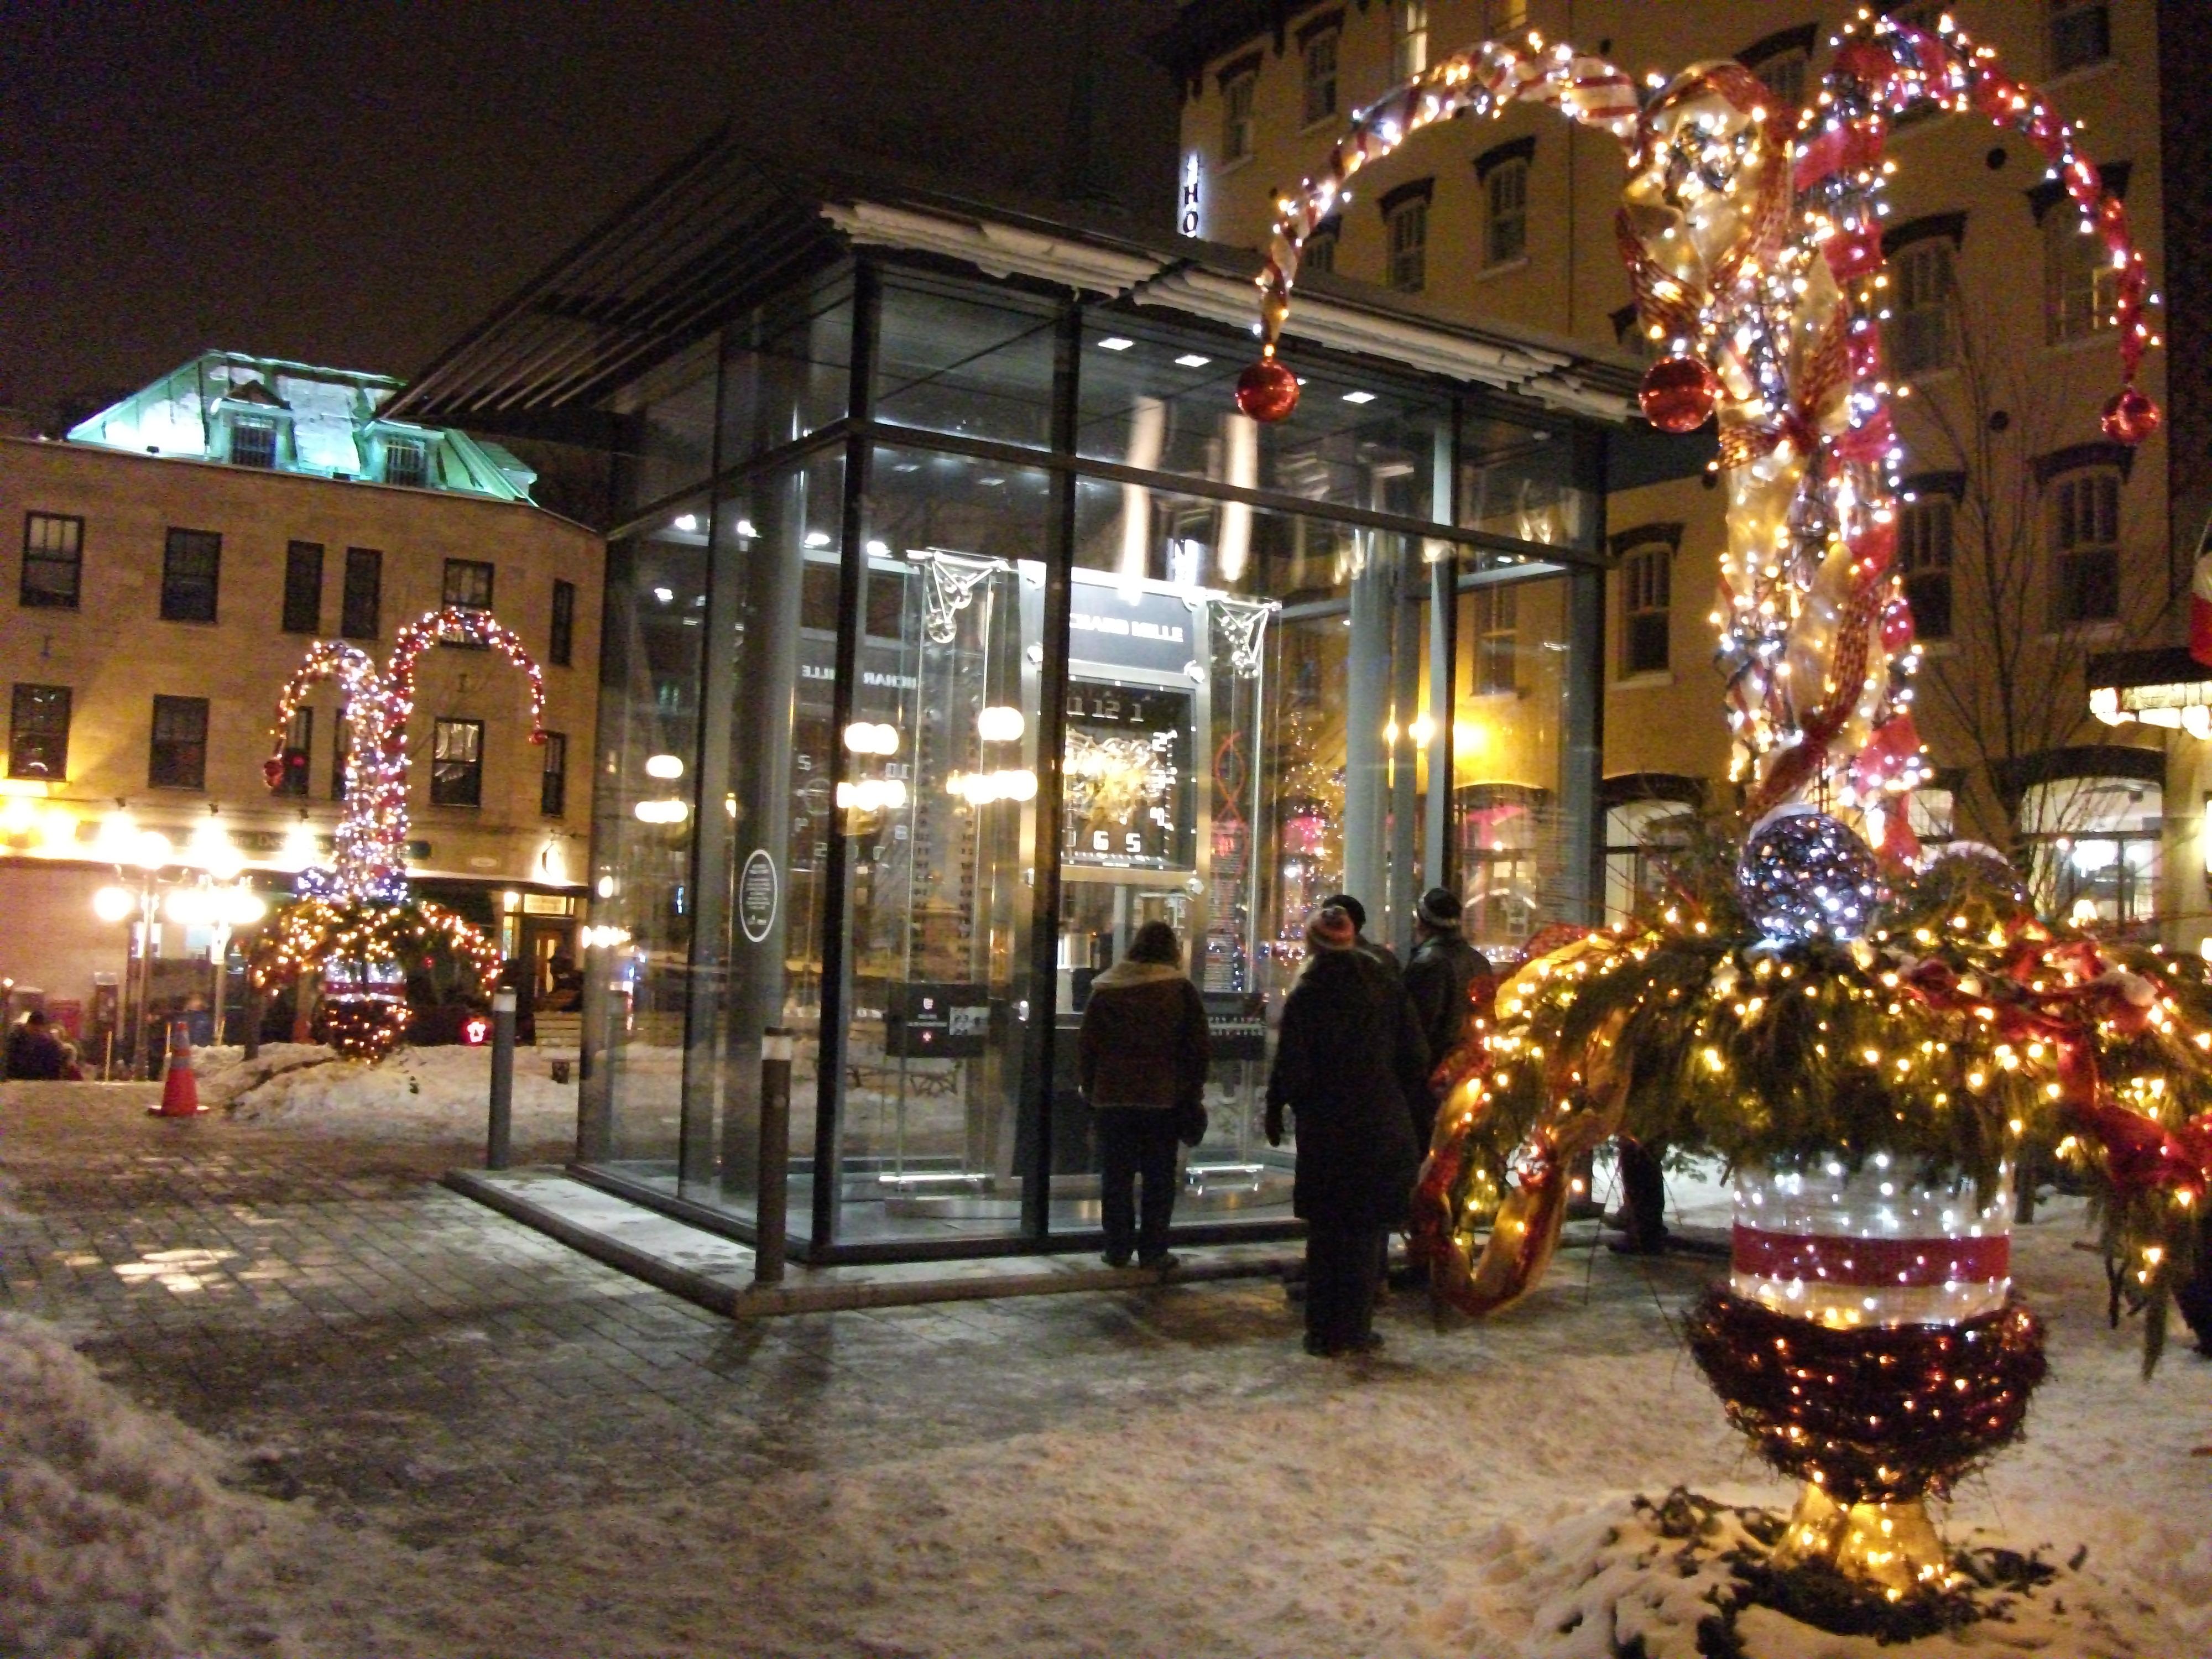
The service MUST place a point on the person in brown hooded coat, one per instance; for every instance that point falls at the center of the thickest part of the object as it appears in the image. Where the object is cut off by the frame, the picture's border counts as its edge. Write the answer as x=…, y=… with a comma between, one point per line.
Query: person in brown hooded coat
x=1140, y=1058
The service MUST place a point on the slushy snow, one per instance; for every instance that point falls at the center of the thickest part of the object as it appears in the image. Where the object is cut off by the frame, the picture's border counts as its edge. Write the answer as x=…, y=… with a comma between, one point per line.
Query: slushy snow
x=441, y=1093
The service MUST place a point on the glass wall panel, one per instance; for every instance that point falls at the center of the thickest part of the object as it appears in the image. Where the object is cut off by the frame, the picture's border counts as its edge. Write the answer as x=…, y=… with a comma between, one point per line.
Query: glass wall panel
x=1519, y=478
x=941, y=763
x=964, y=358
x=670, y=443
x=1164, y=398
x=786, y=368
x=642, y=903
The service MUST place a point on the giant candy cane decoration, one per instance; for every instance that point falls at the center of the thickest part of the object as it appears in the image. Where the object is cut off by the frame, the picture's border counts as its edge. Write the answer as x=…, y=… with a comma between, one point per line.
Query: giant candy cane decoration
x=1753, y=243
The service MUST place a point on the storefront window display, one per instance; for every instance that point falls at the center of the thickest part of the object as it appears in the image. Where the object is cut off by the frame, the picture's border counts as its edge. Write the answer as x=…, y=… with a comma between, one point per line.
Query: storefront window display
x=996, y=633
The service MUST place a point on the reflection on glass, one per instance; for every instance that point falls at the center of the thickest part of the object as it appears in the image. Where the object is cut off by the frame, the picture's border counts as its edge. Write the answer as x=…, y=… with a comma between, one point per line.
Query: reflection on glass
x=951, y=360
x=670, y=431
x=786, y=368
x=1520, y=480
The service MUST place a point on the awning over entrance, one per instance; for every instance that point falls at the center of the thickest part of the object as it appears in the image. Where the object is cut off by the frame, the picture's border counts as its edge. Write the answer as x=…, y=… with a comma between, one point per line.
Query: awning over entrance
x=2163, y=687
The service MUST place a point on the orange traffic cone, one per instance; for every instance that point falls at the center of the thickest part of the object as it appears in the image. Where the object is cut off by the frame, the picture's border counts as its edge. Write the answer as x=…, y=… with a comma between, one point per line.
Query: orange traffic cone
x=180, y=1091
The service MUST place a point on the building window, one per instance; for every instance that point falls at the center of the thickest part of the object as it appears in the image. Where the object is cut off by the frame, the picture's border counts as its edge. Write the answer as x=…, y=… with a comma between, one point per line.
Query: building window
x=299, y=754
x=190, y=570
x=178, y=759
x=1646, y=578
x=37, y=732
x=252, y=440
x=457, y=763
x=468, y=584
x=2085, y=548
x=2093, y=846
x=1506, y=234
x=2080, y=33
x=553, y=781
x=53, y=560
x=1409, y=38
x=1321, y=76
x=561, y=643
x=1783, y=75
x=1503, y=17
x=1923, y=302
x=1497, y=638
x=1236, y=95
x=1408, y=225
x=1320, y=251
x=1923, y=559
x=341, y=748
x=303, y=587
x=2081, y=287
x=364, y=590
x=406, y=461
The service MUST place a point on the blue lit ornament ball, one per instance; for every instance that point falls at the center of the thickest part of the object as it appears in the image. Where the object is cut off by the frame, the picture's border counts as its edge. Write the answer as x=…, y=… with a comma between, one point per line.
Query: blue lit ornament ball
x=1805, y=876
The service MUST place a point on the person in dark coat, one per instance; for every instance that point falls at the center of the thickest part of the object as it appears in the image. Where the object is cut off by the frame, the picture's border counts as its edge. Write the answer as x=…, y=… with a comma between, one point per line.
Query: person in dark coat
x=34, y=1054
x=1442, y=970
x=1366, y=946
x=1142, y=1057
x=1347, y=1059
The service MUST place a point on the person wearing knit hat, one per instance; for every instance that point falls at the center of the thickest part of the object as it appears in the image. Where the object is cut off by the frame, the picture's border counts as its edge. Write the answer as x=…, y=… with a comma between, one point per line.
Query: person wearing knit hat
x=1443, y=975
x=1349, y=1059
x=1353, y=907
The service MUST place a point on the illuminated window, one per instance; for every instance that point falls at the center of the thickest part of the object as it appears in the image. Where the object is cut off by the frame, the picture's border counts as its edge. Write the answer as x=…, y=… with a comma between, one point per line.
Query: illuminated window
x=303, y=587
x=53, y=560
x=177, y=755
x=1923, y=559
x=37, y=732
x=298, y=757
x=2081, y=287
x=2080, y=33
x=364, y=589
x=1321, y=75
x=1236, y=115
x=561, y=643
x=1497, y=638
x=1646, y=582
x=468, y=587
x=192, y=570
x=1923, y=307
x=1506, y=226
x=406, y=461
x=553, y=781
x=1409, y=38
x=252, y=440
x=1408, y=226
x=457, y=763
x=2085, y=548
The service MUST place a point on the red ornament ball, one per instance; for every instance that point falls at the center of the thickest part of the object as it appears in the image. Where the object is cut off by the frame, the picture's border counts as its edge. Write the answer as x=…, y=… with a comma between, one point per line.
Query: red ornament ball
x=1267, y=391
x=272, y=772
x=2131, y=416
x=1679, y=394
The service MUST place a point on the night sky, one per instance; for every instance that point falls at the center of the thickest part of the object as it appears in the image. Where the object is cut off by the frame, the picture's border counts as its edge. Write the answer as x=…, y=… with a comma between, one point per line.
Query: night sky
x=354, y=184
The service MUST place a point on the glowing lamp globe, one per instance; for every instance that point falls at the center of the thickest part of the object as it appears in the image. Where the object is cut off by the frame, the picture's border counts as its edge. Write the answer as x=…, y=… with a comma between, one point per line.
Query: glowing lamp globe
x=1267, y=391
x=1805, y=876
x=2131, y=416
x=1679, y=394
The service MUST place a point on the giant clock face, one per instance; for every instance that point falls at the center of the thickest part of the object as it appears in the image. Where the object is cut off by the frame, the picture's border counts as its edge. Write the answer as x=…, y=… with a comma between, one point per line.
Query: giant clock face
x=1127, y=776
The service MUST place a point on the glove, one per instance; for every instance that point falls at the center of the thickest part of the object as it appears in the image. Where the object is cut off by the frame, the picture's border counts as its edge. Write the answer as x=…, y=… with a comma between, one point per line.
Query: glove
x=1275, y=1125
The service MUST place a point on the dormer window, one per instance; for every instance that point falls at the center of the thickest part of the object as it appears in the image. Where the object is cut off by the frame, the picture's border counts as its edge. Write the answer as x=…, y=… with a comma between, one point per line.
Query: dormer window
x=406, y=461
x=252, y=440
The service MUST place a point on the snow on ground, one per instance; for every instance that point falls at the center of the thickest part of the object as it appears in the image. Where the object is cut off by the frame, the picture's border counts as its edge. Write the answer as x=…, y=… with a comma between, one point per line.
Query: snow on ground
x=417, y=1094
x=119, y=1541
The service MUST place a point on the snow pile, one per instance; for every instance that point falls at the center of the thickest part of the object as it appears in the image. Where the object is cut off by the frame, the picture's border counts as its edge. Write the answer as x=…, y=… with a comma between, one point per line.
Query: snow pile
x=417, y=1094
x=117, y=1540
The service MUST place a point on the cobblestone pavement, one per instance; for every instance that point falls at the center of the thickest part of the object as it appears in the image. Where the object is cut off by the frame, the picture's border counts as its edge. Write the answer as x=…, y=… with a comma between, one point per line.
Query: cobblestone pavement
x=393, y=1348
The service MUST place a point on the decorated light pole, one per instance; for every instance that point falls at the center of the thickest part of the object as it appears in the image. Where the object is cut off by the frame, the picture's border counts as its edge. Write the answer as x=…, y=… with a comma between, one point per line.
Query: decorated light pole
x=355, y=920
x=1864, y=1034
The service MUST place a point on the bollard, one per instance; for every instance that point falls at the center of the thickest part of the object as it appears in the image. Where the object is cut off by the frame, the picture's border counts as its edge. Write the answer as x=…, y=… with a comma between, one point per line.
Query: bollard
x=775, y=1154
x=498, y=1142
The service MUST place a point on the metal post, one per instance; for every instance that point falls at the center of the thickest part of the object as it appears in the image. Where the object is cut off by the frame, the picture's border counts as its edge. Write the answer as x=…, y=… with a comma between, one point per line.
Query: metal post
x=775, y=1155
x=498, y=1144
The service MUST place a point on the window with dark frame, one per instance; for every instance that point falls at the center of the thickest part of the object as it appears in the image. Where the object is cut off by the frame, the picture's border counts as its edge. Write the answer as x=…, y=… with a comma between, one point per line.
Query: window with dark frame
x=2081, y=287
x=1646, y=585
x=1409, y=38
x=561, y=639
x=192, y=570
x=1505, y=231
x=457, y=763
x=553, y=781
x=406, y=461
x=363, y=596
x=1320, y=57
x=1783, y=75
x=468, y=584
x=2080, y=33
x=177, y=758
x=2085, y=546
x=1923, y=560
x=303, y=587
x=1497, y=638
x=341, y=747
x=1320, y=251
x=1408, y=226
x=252, y=440
x=1236, y=95
x=1923, y=307
x=37, y=732
x=53, y=561
x=298, y=758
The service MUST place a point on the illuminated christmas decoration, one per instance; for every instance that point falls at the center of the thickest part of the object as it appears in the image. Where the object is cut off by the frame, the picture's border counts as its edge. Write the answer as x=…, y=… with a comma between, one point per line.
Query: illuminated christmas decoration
x=354, y=921
x=1869, y=1062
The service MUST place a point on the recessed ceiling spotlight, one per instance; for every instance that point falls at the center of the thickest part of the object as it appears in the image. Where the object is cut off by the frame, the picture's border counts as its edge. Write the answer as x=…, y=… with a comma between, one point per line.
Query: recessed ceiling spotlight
x=1115, y=342
x=1192, y=360
x=1359, y=396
